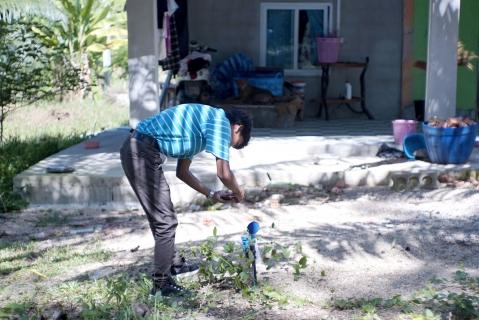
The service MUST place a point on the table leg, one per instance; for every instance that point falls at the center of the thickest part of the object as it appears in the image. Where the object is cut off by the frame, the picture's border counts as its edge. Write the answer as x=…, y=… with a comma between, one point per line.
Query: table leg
x=324, y=91
x=363, y=91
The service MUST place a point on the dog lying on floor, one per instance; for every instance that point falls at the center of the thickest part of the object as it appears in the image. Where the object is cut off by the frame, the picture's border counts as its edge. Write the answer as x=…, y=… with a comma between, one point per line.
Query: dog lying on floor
x=249, y=94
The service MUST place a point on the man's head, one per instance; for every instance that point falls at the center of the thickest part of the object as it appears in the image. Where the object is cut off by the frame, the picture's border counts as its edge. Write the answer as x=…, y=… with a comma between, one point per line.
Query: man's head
x=241, y=120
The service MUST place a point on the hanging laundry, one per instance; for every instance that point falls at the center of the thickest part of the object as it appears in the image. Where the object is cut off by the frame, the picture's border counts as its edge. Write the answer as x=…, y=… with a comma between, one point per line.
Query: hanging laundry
x=162, y=35
x=172, y=6
x=172, y=62
x=175, y=34
x=168, y=35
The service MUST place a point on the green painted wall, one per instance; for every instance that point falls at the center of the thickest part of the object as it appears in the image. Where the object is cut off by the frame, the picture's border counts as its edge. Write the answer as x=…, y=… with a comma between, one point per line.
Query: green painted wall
x=421, y=14
x=467, y=85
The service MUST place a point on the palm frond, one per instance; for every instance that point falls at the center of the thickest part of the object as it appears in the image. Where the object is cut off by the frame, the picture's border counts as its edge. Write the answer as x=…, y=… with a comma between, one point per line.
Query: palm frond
x=11, y=10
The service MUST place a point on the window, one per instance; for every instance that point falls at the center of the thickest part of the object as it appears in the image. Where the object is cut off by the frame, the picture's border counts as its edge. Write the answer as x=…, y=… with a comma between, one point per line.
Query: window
x=288, y=35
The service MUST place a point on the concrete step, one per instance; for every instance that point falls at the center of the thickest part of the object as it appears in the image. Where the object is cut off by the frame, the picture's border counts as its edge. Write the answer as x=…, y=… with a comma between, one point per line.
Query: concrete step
x=98, y=179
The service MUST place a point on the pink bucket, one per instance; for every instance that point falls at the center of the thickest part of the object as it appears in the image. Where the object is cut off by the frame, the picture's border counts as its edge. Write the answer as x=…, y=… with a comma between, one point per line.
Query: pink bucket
x=328, y=49
x=402, y=128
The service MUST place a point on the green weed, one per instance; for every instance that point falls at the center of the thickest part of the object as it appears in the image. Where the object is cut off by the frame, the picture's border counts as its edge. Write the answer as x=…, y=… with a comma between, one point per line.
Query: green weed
x=464, y=305
x=55, y=219
x=233, y=265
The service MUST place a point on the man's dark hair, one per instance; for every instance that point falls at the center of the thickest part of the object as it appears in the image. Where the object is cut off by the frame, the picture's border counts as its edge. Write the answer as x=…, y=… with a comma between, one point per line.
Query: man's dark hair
x=237, y=116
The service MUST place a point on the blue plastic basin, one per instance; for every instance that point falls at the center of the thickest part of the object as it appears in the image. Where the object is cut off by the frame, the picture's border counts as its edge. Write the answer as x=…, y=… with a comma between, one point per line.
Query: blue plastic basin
x=413, y=142
x=449, y=145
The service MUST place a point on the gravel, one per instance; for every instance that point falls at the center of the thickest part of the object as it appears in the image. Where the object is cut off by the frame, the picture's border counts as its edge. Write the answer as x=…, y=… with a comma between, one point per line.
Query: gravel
x=369, y=242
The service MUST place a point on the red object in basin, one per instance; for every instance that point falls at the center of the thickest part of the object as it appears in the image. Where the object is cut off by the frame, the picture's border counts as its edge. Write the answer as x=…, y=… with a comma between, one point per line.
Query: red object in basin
x=91, y=144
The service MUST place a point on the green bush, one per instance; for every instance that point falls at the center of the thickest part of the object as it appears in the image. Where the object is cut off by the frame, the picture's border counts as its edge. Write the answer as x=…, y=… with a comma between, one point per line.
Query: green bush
x=18, y=155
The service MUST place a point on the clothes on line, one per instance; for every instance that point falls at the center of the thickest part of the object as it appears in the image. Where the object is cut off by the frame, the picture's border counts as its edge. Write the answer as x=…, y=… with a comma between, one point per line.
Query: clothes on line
x=173, y=44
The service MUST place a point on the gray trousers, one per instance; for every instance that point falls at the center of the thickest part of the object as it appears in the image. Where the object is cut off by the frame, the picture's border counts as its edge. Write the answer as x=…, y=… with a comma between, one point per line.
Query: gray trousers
x=142, y=165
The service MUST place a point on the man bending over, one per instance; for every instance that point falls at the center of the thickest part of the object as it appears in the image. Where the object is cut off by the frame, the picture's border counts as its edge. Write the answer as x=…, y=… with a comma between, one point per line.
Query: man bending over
x=180, y=132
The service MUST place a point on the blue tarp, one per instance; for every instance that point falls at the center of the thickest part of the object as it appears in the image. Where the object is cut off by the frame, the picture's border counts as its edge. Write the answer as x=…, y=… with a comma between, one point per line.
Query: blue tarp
x=224, y=73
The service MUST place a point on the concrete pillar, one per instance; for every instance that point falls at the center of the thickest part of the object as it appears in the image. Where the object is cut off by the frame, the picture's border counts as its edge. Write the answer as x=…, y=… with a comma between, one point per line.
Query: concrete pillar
x=142, y=59
x=441, y=73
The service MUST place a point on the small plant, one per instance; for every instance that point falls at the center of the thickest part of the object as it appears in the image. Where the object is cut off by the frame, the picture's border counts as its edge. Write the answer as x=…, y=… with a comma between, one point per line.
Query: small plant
x=462, y=306
x=393, y=243
x=234, y=266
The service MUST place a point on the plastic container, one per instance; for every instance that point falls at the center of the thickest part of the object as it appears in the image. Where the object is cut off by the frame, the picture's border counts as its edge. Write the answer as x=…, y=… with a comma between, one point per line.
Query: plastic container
x=328, y=49
x=413, y=142
x=402, y=128
x=299, y=86
x=449, y=145
x=348, y=91
x=272, y=81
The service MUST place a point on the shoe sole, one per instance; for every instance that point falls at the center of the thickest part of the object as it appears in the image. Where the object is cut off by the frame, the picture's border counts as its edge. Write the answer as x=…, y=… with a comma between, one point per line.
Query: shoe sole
x=186, y=274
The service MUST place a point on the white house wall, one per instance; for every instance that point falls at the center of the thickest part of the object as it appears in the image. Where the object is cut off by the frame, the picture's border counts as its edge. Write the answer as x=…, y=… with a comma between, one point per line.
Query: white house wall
x=369, y=27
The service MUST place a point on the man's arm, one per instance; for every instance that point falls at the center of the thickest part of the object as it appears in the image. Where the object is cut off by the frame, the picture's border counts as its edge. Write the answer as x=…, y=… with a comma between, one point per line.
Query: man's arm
x=184, y=174
x=228, y=178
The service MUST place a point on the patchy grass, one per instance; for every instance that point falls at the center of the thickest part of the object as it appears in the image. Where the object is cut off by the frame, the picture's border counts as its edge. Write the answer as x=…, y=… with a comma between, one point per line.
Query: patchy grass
x=35, y=132
x=29, y=262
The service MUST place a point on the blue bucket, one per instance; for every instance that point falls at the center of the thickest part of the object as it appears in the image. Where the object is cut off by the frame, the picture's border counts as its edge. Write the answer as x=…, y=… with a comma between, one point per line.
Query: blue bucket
x=449, y=145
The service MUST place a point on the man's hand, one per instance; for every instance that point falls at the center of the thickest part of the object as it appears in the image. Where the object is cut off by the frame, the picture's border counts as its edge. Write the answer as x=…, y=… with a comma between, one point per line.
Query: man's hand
x=223, y=193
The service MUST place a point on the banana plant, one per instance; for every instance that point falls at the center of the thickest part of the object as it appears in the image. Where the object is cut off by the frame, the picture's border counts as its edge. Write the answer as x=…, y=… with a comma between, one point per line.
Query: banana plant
x=91, y=27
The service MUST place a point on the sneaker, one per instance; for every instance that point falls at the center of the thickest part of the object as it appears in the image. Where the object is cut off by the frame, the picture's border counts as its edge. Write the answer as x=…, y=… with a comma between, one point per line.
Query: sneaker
x=171, y=289
x=186, y=270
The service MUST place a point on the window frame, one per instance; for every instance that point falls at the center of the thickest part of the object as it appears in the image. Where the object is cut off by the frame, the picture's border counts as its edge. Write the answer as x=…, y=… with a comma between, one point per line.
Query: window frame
x=296, y=7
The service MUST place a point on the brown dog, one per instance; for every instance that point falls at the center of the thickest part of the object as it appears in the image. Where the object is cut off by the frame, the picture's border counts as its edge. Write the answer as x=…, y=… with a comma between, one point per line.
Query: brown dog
x=249, y=94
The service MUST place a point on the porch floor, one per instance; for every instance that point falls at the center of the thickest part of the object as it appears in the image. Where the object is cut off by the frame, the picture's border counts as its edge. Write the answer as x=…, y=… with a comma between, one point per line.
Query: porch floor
x=280, y=154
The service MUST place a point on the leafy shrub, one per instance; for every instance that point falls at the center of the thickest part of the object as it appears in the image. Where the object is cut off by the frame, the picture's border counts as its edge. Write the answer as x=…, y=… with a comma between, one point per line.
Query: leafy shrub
x=17, y=155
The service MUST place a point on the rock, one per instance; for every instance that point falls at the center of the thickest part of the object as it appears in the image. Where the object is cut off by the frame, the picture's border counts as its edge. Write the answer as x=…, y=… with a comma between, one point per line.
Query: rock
x=341, y=184
x=252, y=191
x=140, y=309
x=254, y=194
x=194, y=207
x=444, y=178
x=457, y=183
x=58, y=315
x=473, y=181
x=318, y=186
x=278, y=186
x=100, y=273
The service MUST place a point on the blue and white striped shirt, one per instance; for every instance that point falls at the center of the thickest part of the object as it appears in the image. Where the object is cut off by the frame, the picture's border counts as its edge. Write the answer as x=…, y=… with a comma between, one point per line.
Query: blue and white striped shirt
x=187, y=129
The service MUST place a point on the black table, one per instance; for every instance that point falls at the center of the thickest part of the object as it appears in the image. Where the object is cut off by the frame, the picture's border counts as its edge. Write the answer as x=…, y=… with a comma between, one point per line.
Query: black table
x=324, y=101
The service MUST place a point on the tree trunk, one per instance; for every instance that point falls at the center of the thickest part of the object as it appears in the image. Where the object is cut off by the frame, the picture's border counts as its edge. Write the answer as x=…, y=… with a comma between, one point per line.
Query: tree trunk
x=85, y=76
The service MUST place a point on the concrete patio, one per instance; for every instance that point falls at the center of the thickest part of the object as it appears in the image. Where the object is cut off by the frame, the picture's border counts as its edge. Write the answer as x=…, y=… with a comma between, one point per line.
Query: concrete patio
x=288, y=155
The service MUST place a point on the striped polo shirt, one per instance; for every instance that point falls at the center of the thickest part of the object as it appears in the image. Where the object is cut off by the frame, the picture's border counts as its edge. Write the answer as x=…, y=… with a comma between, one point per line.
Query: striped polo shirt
x=187, y=129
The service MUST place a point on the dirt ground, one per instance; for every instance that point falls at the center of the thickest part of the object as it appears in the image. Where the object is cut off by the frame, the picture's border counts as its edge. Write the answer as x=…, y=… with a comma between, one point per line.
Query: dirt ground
x=371, y=242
